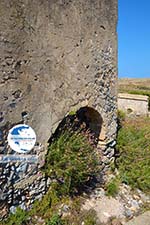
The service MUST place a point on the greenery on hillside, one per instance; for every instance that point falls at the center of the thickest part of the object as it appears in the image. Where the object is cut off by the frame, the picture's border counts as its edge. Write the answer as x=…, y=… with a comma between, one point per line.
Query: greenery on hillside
x=133, y=145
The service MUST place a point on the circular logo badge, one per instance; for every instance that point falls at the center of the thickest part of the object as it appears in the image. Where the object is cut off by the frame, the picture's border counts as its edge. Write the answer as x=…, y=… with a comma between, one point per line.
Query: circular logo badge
x=21, y=138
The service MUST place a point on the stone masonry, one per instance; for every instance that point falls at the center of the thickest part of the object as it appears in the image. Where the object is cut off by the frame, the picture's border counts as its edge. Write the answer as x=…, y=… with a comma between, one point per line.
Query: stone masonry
x=56, y=56
x=133, y=104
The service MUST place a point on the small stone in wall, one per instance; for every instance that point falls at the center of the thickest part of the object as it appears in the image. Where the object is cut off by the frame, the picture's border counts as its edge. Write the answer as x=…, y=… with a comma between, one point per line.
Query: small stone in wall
x=12, y=209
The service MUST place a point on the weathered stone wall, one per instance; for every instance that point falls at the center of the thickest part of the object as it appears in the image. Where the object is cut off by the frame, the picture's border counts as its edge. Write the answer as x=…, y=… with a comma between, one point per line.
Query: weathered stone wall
x=133, y=104
x=56, y=56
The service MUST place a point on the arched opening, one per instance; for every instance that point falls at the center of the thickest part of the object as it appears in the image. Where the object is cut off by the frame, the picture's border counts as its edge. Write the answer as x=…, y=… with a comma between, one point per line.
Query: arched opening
x=129, y=110
x=73, y=156
x=92, y=119
x=86, y=120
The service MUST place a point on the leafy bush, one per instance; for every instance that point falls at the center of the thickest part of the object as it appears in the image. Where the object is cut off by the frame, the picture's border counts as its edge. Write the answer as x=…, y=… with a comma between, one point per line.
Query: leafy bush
x=45, y=204
x=19, y=218
x=112, y=188
x=72, y=161
x=72, y=113
x=133, y=144
x=55, y=220
x=121, y=115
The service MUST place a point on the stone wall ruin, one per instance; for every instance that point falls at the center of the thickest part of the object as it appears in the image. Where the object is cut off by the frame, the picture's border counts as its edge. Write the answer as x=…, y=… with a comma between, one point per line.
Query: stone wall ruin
x=57, y=56
x=133, y=104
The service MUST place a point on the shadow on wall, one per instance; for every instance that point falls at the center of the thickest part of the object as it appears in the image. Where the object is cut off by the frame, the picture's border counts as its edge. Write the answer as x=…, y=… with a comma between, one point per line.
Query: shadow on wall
x=86, y=119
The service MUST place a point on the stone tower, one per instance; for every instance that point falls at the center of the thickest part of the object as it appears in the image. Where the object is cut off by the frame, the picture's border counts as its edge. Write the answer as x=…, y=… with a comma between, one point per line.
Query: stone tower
x=56, y=56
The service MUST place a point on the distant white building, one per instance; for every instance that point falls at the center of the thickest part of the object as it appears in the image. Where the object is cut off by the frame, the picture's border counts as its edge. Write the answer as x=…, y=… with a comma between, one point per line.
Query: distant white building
x=135, y=104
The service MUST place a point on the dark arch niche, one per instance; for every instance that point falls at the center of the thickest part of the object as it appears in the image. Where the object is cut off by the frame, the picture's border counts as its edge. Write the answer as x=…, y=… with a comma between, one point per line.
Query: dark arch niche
x=85, y=119
x=92, y=120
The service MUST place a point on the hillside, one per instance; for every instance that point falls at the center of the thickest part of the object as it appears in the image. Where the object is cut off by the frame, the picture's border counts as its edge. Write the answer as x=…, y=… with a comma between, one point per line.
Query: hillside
x=134, y=85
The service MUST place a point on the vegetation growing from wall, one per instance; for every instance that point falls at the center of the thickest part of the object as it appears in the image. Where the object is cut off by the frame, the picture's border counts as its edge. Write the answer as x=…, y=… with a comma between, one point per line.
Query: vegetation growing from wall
x=71, y=162
x=19, y=218
x=112, y=187
x=133, y=145
x=50, y=211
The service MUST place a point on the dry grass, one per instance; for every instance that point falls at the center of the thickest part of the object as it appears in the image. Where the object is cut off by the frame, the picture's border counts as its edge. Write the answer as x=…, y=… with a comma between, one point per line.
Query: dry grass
x=128, y=84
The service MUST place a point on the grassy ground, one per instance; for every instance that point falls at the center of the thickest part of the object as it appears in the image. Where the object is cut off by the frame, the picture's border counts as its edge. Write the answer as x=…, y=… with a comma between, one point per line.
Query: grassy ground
x=133, y=145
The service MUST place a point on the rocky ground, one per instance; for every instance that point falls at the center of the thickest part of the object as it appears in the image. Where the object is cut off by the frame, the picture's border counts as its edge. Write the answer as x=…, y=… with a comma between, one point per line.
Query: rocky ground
x=143, y=219
x=126, y=206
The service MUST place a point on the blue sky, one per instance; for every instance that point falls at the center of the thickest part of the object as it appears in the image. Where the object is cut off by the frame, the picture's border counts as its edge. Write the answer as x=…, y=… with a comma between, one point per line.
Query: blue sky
x=134, y=38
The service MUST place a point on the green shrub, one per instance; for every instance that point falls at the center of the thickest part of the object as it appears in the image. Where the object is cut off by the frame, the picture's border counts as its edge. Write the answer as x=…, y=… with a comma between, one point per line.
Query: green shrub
x=72, y=113
x=72, y=161
x=112, y=188
x=121, y=115
x=19, y=218
x=55, y=220
x=46, y=206
x=133, y=144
